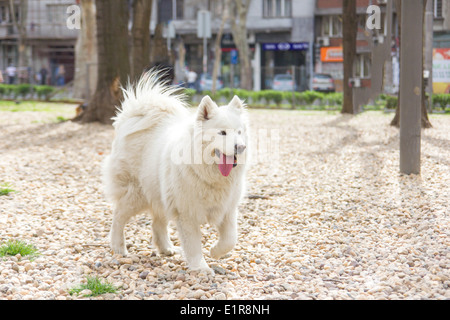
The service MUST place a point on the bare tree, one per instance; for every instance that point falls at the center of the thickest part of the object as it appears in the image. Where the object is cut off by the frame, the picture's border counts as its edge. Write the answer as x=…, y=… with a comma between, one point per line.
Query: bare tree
x=85, y=79
x=140, y=36
x=113, y=60
x=159, y=50
x=21, y=27
x=217, y=47
x=239, y=9
x=349, y=46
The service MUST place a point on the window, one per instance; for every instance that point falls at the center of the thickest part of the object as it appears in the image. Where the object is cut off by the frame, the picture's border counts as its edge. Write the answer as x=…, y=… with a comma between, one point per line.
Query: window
x=277, y=8
x=437, y=9
x=170, y=10
x=361, y=67
x=180, y=9
x=216, y=8
x=331, y=26
x=3, y=13
x=57, y=13
x=362, y=19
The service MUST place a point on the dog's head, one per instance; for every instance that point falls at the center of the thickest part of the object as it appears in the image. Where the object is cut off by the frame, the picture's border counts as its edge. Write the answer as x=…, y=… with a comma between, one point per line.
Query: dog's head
x=224, y=133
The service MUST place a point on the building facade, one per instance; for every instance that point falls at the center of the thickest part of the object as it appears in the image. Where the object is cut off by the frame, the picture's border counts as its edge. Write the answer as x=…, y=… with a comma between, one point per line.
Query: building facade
x=297, y=37
x=280, y=36
x=328, y=46
x=49, y=42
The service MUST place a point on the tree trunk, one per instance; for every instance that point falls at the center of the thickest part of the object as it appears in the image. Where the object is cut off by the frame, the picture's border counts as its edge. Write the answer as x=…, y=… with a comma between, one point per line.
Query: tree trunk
x=113, y=60
x=239, y=8
x=217, y=46
x=349, y=47
x=21, y=27
x=140, y=33
x=159, y=52
x=425, y=122
x=85, y=79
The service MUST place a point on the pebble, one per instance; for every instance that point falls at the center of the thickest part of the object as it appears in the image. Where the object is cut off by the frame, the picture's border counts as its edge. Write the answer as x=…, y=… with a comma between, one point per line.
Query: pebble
x=331, y=218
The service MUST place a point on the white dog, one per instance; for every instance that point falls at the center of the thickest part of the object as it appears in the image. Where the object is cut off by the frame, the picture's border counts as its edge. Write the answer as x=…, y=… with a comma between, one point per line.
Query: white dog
x=180, y=166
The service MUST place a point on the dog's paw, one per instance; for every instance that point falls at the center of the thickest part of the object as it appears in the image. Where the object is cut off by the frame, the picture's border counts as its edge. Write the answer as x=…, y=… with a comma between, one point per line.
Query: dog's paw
x=170, y=251
x=202, y=267
x=217, y=252
x=120, y=250
x=205, y=270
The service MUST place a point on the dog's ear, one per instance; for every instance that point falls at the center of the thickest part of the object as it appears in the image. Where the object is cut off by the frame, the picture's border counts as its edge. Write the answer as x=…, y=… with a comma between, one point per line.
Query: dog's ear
x=206, y=109
x=237, y=103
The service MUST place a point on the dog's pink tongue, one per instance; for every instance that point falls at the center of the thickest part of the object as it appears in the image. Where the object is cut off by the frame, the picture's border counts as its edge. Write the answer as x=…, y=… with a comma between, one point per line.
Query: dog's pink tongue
x=226, y=164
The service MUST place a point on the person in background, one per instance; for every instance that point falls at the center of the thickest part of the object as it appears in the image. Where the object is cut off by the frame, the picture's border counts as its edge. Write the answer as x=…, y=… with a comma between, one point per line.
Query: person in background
x=11, y=71
x=191, y=79
x=60, y=75
x=43, y=73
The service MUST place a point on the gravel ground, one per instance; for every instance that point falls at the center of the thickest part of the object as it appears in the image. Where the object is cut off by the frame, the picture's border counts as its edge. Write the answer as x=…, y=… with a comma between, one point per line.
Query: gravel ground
x=329, y=218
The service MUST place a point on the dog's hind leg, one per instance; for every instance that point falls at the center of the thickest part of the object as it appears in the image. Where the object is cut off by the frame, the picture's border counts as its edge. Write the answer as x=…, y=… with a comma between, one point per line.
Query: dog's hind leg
x=117, y=237
x=122, y=213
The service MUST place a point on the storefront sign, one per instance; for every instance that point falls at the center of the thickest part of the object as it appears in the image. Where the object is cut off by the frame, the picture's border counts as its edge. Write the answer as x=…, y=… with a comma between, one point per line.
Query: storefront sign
x=331, y=54
x=285, y=46
x=441, y=70
x=234, y=56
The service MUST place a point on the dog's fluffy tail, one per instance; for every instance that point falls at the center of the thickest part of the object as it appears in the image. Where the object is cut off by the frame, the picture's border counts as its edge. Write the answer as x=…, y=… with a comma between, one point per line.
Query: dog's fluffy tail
x=149, y=101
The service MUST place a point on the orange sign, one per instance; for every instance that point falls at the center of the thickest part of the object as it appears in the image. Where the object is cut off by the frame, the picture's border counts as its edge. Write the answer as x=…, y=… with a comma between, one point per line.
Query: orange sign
x=331, y=54
x=441, y=70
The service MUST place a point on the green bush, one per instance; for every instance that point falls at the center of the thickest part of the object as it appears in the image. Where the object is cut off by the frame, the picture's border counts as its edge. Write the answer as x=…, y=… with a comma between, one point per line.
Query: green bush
x=242, y=94
x=391, y=102
x=287, y=95
x=190, y=93
x=227, y=93
x=23, y=90
x=44, y=92
x=334, y=99
x=272, y=95
x=441, y=100
x=209, y=93
x=6, y=89
x=310, y=96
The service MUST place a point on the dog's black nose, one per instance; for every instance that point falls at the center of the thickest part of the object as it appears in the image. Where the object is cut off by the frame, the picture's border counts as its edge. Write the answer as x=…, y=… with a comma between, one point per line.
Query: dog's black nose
x=239, y=148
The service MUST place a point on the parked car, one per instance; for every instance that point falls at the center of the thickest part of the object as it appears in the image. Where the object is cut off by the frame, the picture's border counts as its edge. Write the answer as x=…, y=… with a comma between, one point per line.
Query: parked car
x=205, y=82
x=323, y=83
x=283, y=82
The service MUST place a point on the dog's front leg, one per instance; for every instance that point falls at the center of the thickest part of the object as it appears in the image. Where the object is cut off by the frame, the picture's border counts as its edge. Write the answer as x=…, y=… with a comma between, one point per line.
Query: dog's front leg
x=191, y=241
x=227, y=236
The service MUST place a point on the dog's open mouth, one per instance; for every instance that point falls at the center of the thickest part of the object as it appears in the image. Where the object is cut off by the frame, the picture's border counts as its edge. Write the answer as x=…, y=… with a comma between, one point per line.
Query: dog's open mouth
x=226, y=163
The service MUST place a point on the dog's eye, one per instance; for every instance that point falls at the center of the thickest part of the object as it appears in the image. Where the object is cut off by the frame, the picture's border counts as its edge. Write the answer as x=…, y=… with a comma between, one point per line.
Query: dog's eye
x=239, y=132
x=223, y=133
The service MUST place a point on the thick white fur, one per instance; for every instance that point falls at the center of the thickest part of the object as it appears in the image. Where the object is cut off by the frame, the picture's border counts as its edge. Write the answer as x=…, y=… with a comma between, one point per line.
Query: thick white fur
x=141, y=175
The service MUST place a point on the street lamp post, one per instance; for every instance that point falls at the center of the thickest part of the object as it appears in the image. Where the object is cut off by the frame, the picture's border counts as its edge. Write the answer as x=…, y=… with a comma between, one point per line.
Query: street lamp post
x=204, y=31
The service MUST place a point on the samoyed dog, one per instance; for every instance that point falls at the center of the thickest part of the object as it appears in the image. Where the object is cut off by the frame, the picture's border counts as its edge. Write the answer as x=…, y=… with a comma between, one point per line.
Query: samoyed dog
x=188, y=167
